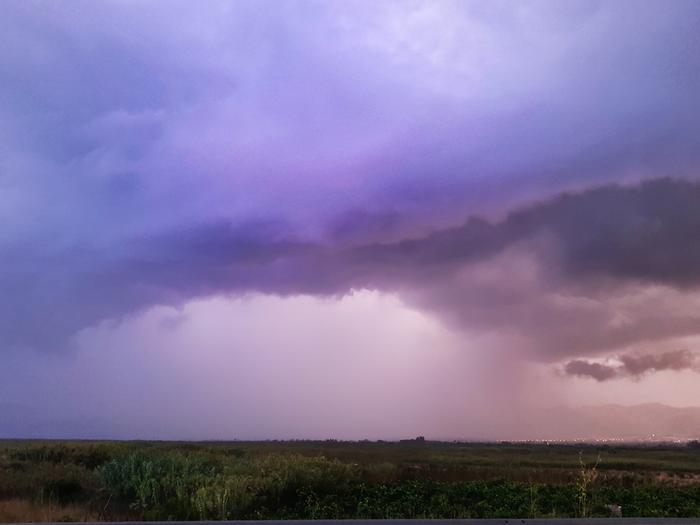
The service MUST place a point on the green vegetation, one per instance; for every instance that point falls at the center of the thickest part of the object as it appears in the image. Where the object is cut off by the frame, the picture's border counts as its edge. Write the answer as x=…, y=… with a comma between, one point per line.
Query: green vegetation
x=77, y=481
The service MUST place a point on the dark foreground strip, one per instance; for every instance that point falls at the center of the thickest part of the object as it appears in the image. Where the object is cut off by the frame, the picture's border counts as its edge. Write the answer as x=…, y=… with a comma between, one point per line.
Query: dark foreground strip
x=577, y=521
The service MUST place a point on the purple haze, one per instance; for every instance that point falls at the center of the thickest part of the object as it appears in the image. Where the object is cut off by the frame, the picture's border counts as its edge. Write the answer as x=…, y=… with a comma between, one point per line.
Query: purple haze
x=364, y=219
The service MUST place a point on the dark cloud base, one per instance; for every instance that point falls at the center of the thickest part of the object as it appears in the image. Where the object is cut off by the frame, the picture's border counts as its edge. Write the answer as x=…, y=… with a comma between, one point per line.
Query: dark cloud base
x=634, y=366
x=586, y=247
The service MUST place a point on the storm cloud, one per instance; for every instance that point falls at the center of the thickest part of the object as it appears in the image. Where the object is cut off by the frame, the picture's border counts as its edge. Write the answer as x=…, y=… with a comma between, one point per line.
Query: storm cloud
x=556, y=272
x=527, y=175
x=635, y=366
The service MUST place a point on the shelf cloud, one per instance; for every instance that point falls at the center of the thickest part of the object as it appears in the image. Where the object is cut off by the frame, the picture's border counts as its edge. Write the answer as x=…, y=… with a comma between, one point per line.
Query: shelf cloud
x=555, y=272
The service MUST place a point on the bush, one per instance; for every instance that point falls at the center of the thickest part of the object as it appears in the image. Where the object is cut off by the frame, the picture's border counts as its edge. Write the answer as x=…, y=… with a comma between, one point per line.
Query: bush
x=89, y=456
x=63, y=490
x=163, y=487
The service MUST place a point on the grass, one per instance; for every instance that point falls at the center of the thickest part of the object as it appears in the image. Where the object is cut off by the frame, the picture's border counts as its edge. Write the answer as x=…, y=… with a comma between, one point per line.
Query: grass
x=23, y=511
x=79, y=481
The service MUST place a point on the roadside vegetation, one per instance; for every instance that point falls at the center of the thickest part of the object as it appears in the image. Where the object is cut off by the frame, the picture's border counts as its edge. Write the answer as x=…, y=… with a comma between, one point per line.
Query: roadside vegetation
x=92, y=481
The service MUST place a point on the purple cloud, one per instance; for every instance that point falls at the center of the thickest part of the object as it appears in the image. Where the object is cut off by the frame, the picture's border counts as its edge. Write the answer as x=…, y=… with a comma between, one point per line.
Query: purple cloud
x=554, y=273
x=525, y=173
x=635, y=366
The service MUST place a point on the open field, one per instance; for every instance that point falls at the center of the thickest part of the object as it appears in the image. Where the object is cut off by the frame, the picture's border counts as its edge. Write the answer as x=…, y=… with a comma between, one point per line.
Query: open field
x=91, y=481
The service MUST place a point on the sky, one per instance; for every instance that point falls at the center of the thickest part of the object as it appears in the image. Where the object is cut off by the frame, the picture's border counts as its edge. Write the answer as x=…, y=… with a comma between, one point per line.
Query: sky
x=358, y=219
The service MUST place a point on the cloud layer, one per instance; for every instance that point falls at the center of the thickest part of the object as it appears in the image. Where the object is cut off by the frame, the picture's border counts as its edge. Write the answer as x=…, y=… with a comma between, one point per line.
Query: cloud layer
x=576, y=274
x=635, y=366
x=525, y=174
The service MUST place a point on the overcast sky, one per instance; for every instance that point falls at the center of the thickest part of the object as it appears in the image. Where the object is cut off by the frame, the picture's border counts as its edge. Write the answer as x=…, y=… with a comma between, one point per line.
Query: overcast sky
x=282, y=219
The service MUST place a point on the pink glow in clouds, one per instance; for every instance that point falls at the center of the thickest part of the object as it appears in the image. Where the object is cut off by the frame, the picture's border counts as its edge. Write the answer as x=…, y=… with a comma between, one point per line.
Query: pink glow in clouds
x=350, y=219
x=261, y=367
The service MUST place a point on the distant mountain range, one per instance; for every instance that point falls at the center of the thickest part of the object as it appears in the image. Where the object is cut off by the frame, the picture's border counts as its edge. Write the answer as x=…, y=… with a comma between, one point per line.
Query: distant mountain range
x=650, y=421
